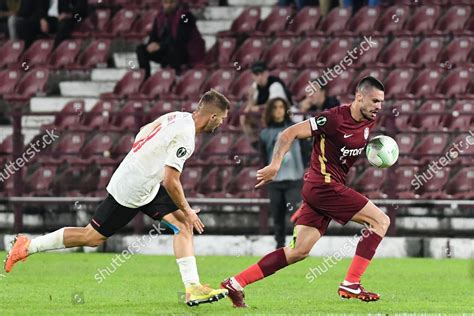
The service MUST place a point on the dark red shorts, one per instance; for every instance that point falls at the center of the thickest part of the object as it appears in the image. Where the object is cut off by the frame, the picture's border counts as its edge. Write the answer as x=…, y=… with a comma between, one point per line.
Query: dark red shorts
x=326, y=201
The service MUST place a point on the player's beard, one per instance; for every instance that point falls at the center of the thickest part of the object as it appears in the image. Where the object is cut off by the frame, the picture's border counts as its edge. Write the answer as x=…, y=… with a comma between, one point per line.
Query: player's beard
x=366, y=114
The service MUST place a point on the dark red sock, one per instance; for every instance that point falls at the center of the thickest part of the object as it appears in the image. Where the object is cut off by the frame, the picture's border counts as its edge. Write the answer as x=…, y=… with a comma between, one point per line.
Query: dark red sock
x=365, y=251
x=268, y=265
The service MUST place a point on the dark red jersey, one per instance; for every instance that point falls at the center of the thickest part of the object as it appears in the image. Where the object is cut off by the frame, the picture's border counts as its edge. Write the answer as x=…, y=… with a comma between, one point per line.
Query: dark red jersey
x=338, y=141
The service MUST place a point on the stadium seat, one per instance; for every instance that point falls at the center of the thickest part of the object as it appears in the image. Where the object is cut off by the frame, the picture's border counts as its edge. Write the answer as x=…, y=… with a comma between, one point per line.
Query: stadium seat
x=406, y=142
x=95, y=21
x=123, y=145
x=10, y=52
x=242, y=185
x=278, y=53
x=36, y=54
x=276, y=21
x=220, y=80
x=397, y=81
x=430, y=116
x=142, y=26
x=460, y=184
x=65, y=54
x=305, y=21
x=368, y=57
x=245, y=23
x=218, y=148
x=453, y=20
x=121, y=22
x=403, y=187
x=305, y=54
x=41, y=180
x=191, y=178
x=69, y=144
x=69, y=117
x=158, y=85
x=6, y=146
x=340, y=85
x=128, y=85
x=392, y=19
x=188, y=106
x=363, y=21
x=430, y=146
x=421, y=21
x=131, y=116
x=285, y=74
x=426, y=52
x=225, y=50
x=8, y=80
x=99, y=146
x=244, y=153
x=456, y=82
x=161, y=107
x=96, y=179
x=189, y=84
x=424, y=85
x=99, y=116
x=457, y=51
x=33, y=83
x=464, y=153
x=460, y=117
x=67, y=182
x=334, y=52
x=250, y=51
x=239, y=88
x=378, y=73
x=95, y=55
x=301, y=85
x=371, y=183
x=395, y=53
x=334, y=22
x=215, y=182
x=433, y=187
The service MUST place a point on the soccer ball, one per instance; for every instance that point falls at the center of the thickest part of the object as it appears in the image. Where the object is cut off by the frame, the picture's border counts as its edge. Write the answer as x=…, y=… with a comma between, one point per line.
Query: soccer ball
x=382, y=151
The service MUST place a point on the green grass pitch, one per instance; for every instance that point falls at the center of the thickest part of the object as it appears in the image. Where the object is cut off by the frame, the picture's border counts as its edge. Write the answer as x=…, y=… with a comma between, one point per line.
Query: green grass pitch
x=64, y=284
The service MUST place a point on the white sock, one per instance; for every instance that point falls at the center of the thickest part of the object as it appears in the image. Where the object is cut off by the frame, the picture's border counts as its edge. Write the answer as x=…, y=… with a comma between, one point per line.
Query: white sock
x=188, y=270
x=345, y=282
x=236, y=284
x=51, y=241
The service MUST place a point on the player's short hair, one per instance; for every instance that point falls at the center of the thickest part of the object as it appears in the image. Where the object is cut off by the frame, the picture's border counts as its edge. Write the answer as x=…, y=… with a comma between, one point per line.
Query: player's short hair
x=214, y=98
x=369, y=82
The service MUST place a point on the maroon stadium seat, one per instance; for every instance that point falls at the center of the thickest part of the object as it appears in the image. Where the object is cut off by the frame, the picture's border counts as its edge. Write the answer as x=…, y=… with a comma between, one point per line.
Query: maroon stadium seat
x=397, y=81
x=430, y=146
x=10, y=51
x=463, y=141
x=225, y=50
x=215, y=182
x=363, y=21
x=95, y=55
x=456, y=82
x=69, y=143
x=433, y=187
x=276, y=21
x=100, y=114
x=335, y=21
x=41, y=180
x=33, y=83
x=67, y=183
x=120, y=23
x=422, y=20
x=430, y=116
x=188, y=106
x=392, y=19
x=123, y=145
x=306, y=53
x=403, y=178
x=426, y=52
x=378, y=73
x=461, y=116
x=456, y=51
x=158, y=85
x=424, y=85
x=161, y=107
x=460, y=185
x=340, y=85
x=245, y=23
x=250, y=51
x=278, y=53
x=218, y=148
x=453, y=19
x=96, y=21
x=406, y=142
x=99, y=145
x=301, y=85
x=240, y=86
x=334, y=52
x=370, y=182
x=65, y=54
x=305, y=21
x=69, y=116
x=242, y=185
x=143, y=25
x=128, y=85
x=37, y=53
x=8, y=80
x=190, y=178
x=131, y=116
x=285, y=74
x=220, y=80
x=189, y=84
x=369, y=56
x=6, y=146
x=96, y=179
x=396, y=52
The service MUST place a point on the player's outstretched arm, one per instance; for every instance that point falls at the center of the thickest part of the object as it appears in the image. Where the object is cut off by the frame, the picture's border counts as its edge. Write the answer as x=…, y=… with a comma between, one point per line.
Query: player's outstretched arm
x=301, y=130
x=174, y=188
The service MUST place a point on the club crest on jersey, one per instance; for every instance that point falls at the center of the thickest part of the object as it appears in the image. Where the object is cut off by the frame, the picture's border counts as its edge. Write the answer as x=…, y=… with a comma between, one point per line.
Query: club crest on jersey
x=321, y=120
x=181, y=152
x=366, y=133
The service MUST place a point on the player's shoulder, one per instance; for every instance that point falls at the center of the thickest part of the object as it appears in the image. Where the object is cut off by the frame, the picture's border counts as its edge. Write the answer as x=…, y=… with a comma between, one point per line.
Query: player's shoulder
x=182, y=122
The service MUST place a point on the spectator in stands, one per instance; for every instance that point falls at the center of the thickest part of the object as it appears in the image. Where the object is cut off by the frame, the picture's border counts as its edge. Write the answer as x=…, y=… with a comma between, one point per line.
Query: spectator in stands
x=29, y=21
x=174, y=41
x=8, y=8
x=63, y=15
x=264, y=88
x=284, y=191
x=314, y=102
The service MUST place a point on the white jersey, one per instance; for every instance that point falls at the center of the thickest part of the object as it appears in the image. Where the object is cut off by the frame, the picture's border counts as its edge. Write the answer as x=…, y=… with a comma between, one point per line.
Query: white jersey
x=169, y=140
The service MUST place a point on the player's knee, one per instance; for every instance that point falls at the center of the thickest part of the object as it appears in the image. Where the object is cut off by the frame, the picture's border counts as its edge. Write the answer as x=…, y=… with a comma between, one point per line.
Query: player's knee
x=297, y=254
x=383, y=222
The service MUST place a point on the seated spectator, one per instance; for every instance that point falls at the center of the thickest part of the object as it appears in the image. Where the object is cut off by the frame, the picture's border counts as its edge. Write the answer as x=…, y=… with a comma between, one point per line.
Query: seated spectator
x=314, y=102
x=284, y=190
x=174, y=41
x=8, y=8
x=264, y=88
x=63, y=15
x=29, y=21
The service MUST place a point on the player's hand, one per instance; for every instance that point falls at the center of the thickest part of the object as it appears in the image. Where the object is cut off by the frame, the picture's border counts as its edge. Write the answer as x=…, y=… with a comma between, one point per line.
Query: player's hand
x=193, y=221
x=153, y=47
x=266, y=175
